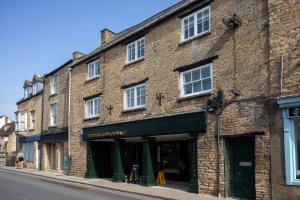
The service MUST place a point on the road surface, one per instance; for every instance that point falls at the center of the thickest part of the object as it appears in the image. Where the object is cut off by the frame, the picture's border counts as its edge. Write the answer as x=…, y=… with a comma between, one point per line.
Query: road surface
x=16, y=186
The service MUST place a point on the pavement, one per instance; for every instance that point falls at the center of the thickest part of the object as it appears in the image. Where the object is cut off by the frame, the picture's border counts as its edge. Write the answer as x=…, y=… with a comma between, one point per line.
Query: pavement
x=138, y=191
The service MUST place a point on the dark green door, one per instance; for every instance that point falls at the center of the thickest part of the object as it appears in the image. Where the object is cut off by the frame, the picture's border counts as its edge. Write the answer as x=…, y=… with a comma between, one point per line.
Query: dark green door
x=243, y=167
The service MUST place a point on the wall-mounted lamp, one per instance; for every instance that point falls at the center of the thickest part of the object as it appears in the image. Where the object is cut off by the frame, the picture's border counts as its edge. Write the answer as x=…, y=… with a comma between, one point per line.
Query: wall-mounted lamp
x=214, y=103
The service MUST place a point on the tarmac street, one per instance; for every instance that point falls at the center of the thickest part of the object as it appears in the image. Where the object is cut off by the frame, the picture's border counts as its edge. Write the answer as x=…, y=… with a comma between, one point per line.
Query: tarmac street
x=16, y=186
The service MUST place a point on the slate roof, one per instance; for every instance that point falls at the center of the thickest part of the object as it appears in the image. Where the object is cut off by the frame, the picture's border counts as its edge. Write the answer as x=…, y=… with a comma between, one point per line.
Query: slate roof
x=7, y=129
x=148, y=23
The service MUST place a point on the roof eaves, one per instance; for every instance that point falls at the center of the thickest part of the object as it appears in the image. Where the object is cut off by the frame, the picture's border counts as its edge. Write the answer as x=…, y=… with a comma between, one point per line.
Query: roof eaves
x=58, y=68
x=139, y=27
x=25, y=99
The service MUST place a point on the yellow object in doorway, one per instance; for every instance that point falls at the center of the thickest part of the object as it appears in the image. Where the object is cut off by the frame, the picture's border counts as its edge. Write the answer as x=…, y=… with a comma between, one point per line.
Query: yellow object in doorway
x=161, y=178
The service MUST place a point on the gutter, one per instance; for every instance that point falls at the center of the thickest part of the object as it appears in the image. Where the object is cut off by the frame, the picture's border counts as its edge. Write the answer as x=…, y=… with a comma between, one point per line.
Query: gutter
x=172, y=11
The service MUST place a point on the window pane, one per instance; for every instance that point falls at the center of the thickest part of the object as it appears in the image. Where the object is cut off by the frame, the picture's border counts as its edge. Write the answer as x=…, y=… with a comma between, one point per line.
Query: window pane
x=96, y=106
x=297, y=153
x=206, y=84
x=97, y=67
x=196, y=75
x=205, y=72
x=197, y=86
x=186, y=30
x=141, y=45
x=206, y=25
x=187, y=77
x=199, y=23
x=191, y=26
x=131, y=52
x=130, y=97
x=206, y=14
x=188, y=89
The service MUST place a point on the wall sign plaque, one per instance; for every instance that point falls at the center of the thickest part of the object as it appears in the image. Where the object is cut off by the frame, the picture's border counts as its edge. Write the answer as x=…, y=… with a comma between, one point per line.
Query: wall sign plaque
x=294, y=112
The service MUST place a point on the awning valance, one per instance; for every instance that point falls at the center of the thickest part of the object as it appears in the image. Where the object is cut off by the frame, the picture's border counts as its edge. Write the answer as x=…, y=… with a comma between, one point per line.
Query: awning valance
x=194, y=122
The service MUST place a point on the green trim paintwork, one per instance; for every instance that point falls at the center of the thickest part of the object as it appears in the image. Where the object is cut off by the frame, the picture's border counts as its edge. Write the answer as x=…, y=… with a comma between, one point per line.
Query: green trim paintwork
x=118, y=169
x=148, y=178
x=194, y=183
x=243, y=177
x=176, y=124
x=91, y=171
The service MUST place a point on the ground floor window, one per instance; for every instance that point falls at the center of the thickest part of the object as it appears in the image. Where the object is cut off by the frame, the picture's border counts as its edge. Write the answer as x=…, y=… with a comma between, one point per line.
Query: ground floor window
x=297, y=145
x=291, y=122
x=27, y=149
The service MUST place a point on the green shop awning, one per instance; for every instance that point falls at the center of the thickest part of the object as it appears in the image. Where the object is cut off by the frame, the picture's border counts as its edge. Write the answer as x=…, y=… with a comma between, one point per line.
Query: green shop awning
x=195, y=122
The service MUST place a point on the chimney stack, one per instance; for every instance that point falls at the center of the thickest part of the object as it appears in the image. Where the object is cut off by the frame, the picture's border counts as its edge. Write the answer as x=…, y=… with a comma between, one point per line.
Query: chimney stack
x=106, y=36
x=77, y=55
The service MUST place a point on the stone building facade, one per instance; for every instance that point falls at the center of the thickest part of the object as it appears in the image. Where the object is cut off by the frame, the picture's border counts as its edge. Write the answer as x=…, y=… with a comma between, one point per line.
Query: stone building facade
x=54, y=137
x=205, y=91
x=238, y=54
x=29, y=120
x=284, y=17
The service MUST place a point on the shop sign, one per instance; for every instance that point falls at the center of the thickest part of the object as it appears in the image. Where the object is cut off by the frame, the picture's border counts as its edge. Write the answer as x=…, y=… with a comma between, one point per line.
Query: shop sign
x=294, y=112
x=106, y=134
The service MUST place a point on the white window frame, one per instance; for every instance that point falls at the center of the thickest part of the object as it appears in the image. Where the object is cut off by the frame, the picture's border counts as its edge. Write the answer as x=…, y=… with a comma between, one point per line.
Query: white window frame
x=95, y=111
x=28, y=92
x=135, y=43
x=53, y=116
x=54, y=84
x=92, y=69
x=126, y=107
x=32, y=119
x=21, y=125
x=196, y=34
x=34, y=88
x=202, y=91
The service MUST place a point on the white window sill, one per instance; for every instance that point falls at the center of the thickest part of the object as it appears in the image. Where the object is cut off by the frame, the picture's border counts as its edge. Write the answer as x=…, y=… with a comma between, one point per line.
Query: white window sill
x=294, y=182
x=53, y=94
x=181, y=98
x=183, y=41
x=93, y=78
x=134, y=109
x=134, y=61
x=92, y=117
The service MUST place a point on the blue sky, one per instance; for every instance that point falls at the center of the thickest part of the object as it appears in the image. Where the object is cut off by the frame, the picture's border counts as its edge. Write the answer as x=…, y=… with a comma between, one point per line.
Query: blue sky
x=37, y=36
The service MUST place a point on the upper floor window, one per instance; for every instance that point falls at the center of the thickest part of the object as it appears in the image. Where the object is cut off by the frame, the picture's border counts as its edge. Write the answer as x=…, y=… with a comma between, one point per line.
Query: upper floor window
x=21, y=118
x=54, y=83
x=135, y=97
x=196, y=81
x=53, y=114
x=32, y=119
x=94, y=69
x=28, y=92
x=196, y=23
x=37, y=87
x=92, y=107
x=135, y=50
